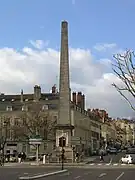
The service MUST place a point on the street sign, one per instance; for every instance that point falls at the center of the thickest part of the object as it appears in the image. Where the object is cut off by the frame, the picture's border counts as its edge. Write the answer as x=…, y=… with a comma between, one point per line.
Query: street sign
x=35, y=141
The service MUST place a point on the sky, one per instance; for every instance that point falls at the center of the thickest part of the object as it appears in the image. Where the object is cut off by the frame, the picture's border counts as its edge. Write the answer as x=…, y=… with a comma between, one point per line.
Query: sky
x=30, y=44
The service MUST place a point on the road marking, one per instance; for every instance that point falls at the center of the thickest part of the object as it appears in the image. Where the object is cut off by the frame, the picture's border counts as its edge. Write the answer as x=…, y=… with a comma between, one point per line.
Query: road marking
x=108, y=164
x=77, y=177
x=120, y=176
x=99, y=164
x=110, y=160
x=123, y=164
x=101, y=175
x=115, y=164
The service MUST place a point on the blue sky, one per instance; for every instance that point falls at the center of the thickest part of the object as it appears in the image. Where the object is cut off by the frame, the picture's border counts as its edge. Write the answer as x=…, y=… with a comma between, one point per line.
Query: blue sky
x=90, y=22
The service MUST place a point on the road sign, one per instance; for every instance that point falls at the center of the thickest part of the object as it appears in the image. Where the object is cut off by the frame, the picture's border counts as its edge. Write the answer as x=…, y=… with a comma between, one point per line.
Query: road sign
x=35, y=141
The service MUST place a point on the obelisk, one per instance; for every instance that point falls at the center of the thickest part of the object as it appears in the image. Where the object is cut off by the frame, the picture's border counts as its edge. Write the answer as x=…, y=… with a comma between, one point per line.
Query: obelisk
x=64, y=127
x=64, y=80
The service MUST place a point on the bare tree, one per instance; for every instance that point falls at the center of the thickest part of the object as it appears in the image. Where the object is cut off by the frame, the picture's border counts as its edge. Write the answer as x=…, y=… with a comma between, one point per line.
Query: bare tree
x=4, y=129
x=124, y=69
x=35, y=122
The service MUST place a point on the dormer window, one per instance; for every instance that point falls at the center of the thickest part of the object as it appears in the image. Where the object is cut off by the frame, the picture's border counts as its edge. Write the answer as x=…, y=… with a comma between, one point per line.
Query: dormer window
x=45, y=107
x=9, y=108
x=3, y=100
x=12, y=100
x=24, y=108
x=26, y=99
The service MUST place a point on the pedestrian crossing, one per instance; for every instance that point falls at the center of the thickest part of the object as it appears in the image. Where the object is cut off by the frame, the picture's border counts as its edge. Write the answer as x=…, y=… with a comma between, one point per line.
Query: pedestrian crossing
x=110, y=164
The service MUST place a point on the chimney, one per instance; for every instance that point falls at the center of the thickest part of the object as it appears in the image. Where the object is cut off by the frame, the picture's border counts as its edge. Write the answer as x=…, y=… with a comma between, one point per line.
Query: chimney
x=79, y=99
x=37, y=92
x=74, y=97
x=54, y=89
x=83, y=102
x=22, y=95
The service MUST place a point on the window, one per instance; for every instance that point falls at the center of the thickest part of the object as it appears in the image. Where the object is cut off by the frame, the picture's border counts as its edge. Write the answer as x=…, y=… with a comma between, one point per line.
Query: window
x=9, y=108
x=45, y=107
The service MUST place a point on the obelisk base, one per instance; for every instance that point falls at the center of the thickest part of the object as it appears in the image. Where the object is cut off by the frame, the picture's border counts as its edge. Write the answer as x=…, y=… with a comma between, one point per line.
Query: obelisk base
x=66, y=132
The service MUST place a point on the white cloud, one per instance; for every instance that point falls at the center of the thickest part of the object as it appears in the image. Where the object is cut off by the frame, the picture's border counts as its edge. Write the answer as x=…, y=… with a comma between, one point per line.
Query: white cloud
x=104, y=47
x=39, y=44
x=25, y=68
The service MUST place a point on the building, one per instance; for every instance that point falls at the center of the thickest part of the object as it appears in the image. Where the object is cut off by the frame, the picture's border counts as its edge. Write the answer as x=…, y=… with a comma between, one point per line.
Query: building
x=127, y=130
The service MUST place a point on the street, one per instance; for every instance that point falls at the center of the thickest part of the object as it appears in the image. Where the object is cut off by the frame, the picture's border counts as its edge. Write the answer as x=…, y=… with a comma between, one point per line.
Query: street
x=108, y=159
x=109, y=169
x=95, y=174
x=13, y=173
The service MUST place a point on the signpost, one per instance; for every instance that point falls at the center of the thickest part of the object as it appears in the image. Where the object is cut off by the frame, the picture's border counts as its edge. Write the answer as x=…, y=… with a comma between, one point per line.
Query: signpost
x=36, y=140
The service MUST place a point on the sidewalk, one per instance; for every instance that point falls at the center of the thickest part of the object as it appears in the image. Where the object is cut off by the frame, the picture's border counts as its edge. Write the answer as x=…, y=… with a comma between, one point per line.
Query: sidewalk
x=33, y=163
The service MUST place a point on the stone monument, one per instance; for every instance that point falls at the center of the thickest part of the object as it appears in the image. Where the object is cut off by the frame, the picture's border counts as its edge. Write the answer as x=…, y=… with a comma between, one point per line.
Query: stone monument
x=64, y=127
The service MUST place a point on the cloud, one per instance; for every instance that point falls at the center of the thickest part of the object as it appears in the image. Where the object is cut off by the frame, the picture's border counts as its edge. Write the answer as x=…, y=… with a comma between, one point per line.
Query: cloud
x=39, y=44
x=30, y=66
x=104, y=47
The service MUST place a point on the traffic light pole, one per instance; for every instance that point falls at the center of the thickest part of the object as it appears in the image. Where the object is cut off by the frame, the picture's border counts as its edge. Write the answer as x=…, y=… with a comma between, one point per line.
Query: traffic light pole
x=62, y=165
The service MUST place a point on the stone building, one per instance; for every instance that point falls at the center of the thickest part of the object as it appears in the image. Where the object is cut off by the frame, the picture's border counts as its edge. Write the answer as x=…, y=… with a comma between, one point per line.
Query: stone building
x=87, y=127
x=127, y=130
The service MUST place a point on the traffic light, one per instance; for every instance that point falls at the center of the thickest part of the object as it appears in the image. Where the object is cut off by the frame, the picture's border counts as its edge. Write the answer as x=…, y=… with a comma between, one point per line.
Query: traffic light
x=62, y=142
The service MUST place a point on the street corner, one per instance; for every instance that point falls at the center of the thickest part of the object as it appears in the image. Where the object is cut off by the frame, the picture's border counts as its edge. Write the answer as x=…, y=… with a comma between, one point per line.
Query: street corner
x=36, y=176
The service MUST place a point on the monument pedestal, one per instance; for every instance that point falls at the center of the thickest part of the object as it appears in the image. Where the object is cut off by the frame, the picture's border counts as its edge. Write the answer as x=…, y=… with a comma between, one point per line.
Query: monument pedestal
x=66, y=132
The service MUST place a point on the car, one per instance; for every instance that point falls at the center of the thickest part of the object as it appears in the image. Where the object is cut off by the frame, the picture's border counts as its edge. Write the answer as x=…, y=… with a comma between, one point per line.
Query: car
x=131, y=151
x=112, y=150
x=128, y=158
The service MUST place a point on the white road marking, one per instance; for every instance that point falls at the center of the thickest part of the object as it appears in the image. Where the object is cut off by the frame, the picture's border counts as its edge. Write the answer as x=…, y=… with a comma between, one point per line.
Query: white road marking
x=99, y=164
x=108, y=164
x=110, y=160
x=115, y=164
x=101, y=175
x=120, y=176
x=123, y=164
x=77, y=177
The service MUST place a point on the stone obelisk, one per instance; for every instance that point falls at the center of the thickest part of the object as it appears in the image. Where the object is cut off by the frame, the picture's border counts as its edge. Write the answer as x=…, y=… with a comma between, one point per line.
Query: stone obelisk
x=64, y=127
x=64, y=83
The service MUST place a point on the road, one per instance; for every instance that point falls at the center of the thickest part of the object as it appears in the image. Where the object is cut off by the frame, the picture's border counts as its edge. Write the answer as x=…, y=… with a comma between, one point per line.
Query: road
x=112, y=159
x=13, y=173
x=95, y=174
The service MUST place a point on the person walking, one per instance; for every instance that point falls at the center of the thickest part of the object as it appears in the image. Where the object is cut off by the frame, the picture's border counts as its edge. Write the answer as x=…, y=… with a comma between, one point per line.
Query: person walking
x=19, y=157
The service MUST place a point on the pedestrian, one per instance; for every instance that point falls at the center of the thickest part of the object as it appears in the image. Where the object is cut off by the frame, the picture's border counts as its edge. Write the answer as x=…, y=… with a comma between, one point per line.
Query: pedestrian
x=19, y=157
x=77, y=157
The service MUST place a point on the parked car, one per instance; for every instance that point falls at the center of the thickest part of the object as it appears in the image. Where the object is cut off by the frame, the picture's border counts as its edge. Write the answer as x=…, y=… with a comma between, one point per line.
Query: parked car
x=112, y=150
x=130, y=151
x=128, y=158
